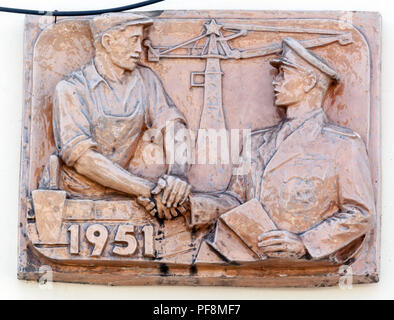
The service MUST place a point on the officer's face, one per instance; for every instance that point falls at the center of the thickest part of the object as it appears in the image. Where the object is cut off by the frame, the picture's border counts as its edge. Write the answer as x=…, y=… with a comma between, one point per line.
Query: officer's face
x=124, y=46
x=288, y=86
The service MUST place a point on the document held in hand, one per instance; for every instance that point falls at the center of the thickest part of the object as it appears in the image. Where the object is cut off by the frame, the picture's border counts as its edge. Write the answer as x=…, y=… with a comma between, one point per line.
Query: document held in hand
x=237, y=231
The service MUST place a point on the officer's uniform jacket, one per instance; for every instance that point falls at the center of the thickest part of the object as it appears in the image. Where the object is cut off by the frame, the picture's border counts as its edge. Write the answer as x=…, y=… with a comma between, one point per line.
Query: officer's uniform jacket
x=315, y=183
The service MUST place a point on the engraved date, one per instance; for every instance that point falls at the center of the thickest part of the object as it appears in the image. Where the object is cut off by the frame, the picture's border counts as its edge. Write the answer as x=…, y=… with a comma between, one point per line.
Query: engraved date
x=124, y=243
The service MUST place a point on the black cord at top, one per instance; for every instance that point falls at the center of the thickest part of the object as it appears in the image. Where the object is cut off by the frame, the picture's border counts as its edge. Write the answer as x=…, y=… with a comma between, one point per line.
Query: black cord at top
x=79, y=13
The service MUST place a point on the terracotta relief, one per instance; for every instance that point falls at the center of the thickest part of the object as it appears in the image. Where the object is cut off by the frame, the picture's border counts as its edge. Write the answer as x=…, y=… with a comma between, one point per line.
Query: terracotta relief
x=203, y=148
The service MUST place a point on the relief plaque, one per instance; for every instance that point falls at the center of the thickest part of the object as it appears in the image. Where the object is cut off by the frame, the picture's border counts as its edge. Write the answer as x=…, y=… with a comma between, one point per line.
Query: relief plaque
x=237, y=148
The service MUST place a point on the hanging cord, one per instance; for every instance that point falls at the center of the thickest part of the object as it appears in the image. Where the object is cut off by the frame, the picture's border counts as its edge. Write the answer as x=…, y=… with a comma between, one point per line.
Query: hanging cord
x=79, y=13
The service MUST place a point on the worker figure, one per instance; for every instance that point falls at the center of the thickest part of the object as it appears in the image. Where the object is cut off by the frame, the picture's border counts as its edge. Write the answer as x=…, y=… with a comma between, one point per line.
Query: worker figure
x=100, y=113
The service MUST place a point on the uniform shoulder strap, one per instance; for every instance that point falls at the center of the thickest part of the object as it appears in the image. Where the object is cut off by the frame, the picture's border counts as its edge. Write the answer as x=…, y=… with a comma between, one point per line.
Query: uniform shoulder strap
x=339, y=130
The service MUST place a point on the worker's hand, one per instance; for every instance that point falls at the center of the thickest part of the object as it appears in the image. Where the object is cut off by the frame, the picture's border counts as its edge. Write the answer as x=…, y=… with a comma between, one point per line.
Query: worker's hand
x=148, y=204
x=281, y=244
x=174, y=191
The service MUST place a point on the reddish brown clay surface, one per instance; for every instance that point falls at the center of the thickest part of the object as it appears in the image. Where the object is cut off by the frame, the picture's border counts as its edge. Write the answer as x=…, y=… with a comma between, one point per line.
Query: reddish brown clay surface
x=123, y=179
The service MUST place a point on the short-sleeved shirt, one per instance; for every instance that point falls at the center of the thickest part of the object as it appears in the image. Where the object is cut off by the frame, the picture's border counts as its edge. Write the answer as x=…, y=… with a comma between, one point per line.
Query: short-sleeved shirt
x=87, y=114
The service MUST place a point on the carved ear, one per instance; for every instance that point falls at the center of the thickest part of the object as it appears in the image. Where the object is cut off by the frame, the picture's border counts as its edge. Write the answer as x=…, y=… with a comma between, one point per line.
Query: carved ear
x=311, y=81
x=106, y=41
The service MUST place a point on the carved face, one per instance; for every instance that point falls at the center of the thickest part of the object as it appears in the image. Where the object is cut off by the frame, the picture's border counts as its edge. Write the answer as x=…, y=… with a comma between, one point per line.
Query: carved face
x=124, y=46
x=289, y=86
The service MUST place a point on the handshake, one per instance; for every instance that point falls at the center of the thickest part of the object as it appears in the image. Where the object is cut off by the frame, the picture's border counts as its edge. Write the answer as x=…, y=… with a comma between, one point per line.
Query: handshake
x=168, y=199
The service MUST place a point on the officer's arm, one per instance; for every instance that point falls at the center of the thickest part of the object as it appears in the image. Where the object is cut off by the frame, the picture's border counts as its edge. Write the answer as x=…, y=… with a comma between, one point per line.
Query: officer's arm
x=206, y=208
x=356, y=204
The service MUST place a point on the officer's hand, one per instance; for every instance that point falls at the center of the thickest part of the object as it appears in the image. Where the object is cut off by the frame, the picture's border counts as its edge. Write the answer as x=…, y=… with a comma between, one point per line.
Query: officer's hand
x=157, y=207
x=174, y=191
x=168, y=213
x=162, y=211
x=281, y=244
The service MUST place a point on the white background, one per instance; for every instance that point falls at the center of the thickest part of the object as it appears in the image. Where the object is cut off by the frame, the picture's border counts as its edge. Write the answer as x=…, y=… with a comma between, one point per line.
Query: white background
x=11, y=97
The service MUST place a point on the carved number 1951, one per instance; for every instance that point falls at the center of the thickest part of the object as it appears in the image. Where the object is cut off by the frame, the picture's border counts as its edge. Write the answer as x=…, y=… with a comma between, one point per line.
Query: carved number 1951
x=97, y=235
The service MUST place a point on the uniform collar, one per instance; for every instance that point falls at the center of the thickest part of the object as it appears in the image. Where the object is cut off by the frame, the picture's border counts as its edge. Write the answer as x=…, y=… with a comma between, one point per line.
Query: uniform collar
x=317, y=115
x=309, y=128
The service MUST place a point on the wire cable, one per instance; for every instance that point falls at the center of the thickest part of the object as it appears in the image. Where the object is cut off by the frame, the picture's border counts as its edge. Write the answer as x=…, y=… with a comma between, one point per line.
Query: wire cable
x=57, y=13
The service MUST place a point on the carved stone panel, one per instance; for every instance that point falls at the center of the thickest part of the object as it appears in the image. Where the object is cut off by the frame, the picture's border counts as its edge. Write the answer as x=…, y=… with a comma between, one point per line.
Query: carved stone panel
x=202, y=148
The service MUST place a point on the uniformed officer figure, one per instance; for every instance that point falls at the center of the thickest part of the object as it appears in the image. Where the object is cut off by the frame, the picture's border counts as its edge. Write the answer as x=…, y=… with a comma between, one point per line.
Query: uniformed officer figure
x=312, y=177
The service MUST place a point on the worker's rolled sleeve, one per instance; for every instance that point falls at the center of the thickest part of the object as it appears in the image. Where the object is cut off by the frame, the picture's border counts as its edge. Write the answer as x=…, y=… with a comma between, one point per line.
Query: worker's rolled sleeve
x=71, y=124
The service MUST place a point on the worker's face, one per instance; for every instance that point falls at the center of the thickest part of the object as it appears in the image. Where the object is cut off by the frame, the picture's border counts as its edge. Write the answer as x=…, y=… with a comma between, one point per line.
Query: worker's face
x=289, y=86
x=124, y=46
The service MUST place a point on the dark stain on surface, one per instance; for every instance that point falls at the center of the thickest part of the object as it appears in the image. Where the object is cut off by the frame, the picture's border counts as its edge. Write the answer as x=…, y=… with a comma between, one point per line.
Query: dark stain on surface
x=163, y=269
x=193, y=270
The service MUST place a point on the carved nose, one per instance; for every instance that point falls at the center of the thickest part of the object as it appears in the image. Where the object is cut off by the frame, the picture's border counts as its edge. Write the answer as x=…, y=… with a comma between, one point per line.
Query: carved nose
x=138, y=47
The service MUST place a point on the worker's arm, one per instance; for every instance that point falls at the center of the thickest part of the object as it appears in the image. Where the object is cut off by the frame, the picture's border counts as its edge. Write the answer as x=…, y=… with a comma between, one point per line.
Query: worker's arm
x=77, y=147
x=177, y=148
x=98, y=168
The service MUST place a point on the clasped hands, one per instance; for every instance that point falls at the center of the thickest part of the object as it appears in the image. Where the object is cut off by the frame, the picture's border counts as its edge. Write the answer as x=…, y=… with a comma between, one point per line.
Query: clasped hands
x=168, y=198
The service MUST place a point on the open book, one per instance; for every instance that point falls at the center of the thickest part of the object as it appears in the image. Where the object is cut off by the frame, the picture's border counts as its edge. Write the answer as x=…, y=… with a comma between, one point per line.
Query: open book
x=237, y=231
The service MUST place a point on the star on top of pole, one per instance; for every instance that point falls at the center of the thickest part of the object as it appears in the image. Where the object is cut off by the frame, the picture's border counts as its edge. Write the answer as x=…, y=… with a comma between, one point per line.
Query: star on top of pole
x=213, y=27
